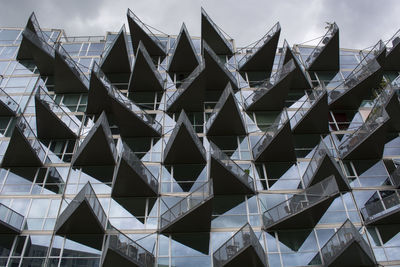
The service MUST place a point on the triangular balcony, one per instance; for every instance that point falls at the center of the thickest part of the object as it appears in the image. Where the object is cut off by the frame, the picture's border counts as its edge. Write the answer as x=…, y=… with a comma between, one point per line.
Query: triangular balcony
x=184, y=58
x=141, y=32
x=228, y=177
x=120, y=250
x=271, y=95
x=84, y=215
x=278, y=135
x=8, y=106
x=24, y=52
x=98, y=97
x=392, y=53
x=115, y=58
x=68, y=76
x=378, y=52
x=312, y=115
x=394, y=171
x=133, y=179
x=242, y=249
x=302, y=210
x=52, y=120
x=98, y=147
x=322, y=165
x=347, y=247
x=392, y=104
x=24, y=148
x=10, y=221
x=382, y=210
x=145, y=76
x=184, y=146
x=190, y=214
x=226, y=118
x=212, y=35
x=325, y=56
x=260, y=55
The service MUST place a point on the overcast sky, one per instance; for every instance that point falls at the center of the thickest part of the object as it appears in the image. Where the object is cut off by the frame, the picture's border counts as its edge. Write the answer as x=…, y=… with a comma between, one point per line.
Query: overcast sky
x=361, y=22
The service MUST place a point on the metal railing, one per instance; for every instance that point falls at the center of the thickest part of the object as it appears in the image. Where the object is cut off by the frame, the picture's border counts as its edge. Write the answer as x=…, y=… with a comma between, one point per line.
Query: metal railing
x=236, y=244
x=11, y=217
x=217, y=29
x=380, y=207
x=39, y=42
x=229, y=164
x=8, y=100
x=395, y=175
x=393, y=42
x=333, y=28
x=187, y=204
x=375, y=51
x=302, y=201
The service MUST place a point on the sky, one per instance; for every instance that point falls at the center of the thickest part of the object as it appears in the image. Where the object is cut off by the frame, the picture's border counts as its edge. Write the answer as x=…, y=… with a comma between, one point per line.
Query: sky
x=361, y=22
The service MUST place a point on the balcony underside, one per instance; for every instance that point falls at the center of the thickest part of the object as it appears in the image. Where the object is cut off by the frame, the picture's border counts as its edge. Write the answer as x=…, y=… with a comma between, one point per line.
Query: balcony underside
x=387, y=231
x=117, y=60
x=352, y=255
x=386, y=218
x=328, y=59
x=5, y=110
x=114, y=258
x=286, y=237
x=24, y=51
x=246, y=257
x=98, y=97
x=299, y=79
x=7, y=229
x=213, y=38
x=135, y=205
x=196, y=241
x=44, y=62
x=66, y=80
x=392, y=60
x=393, y=110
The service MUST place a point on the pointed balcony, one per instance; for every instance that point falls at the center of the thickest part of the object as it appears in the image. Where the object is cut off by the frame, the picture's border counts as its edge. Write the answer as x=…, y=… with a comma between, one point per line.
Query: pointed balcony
x=325, y=56
x=98, y=97
x=145, y=76
x=24, y=148
x=260, y=55
x=382, y=211
x=228, y=177
x=141, y=32
x=8, y=106
x=367, y=142
x=133, y=179
x=191, y=214
x=395, y=174
x=302, y=210
x=52, y=120
x=98, y=147
x=312, y=115
x=278, y=135
x=84, y=215
x=184, y=146
x=347, y=247
x=392, y=104
x=242, y=249
x=212, y=35
x=226, y=117
x=68, y=76
x=377, y=52
x=322, y=165
x=271, y=95
x=10, y=221
x=393, y=53
x=184, y=58
x=24, y=50
x=115, y=58
x=131, y=119
x=120, y=250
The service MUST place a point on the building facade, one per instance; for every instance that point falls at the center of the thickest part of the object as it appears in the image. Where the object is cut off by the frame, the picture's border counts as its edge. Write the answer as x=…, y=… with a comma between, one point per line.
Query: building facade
x=149, y=149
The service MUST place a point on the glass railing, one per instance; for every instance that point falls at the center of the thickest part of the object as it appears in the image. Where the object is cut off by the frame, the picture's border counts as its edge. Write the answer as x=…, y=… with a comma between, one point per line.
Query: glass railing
x=118, y=96
x=302, y=201
x=136, y=164
x=393, y=42
x=72, y=64
x=234, y=246
x=270, y=133
x=372, y=54
x=38, y=41
x=312, y=98
x=59, y=110
x=395, y=175
x=253, y=48
x=229, y=164
x=346, y=234
x=11, y=217
x=381, y=207
x=8, y=100
x=86, y=194
x=38, y=30
x=333, y=28
x=217, y=29
x=187, y=204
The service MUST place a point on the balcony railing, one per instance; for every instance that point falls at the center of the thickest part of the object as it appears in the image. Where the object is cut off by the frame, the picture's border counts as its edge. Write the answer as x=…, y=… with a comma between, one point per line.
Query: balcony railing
x=395, y=175
x=37, y=28
x=346, y=234
x=333, y=28
x=372, y=54
x=187, y=204
x=234, y=246
x=229, y=164
x=300, y=202
x=393, y=42
x=38, y=40
x=7, y=100
x=381, y=207
x=11, y=217
x=217, y=29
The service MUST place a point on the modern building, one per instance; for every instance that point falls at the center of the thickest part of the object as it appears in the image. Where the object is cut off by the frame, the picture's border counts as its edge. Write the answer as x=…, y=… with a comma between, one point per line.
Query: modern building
x=140, y=148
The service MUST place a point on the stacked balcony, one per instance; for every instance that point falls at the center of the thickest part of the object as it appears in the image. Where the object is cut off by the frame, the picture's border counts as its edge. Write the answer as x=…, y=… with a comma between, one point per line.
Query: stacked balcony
x=260, y=55
x=303, y=210
x=226, y=118
x=395, y=174
x=228, y=177
x=325, y=56
x=190, y=214
x=393, y=53
x=278, y=135
x=242, y=249
x=10, y=221
x=312, y=115
x=52, y=120
x=8, y=106
x=392, y=104
x=24, y=50
x=347, y=247
x=382, y=211
x=120, y=250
